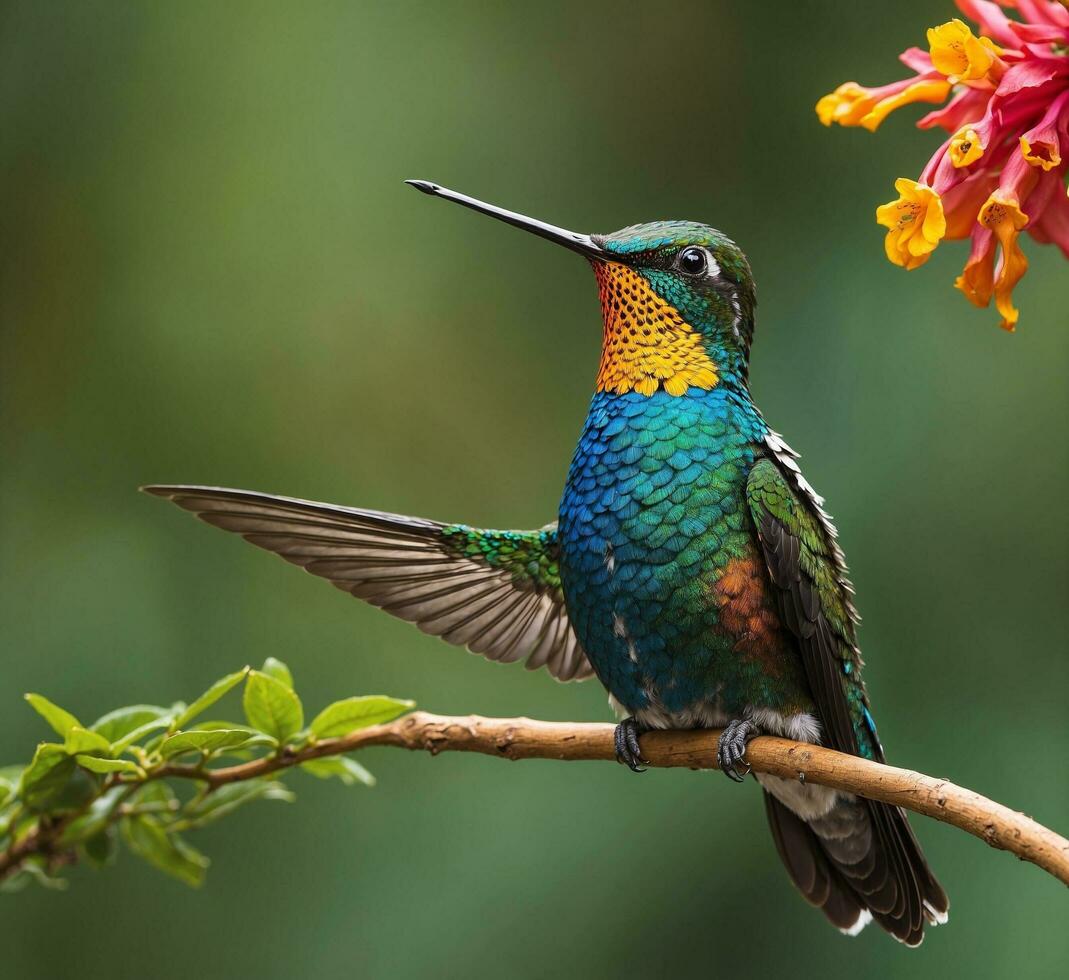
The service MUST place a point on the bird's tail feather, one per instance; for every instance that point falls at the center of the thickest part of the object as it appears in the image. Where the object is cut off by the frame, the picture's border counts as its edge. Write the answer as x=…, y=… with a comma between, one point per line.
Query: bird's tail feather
x=857, y=862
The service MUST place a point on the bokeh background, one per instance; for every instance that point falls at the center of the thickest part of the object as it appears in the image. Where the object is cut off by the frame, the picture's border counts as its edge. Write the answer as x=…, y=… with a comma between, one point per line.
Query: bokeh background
x=211, y=272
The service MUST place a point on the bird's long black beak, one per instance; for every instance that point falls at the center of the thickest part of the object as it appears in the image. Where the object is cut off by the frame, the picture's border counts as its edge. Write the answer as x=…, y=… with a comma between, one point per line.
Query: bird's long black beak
x=583, y=244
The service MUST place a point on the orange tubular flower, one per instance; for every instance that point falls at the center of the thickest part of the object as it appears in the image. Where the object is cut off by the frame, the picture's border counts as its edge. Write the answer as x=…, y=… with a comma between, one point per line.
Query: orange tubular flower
x=915, y=223
x=1040, y=146
x=854, y=105
x=1006, y=219
x=1003, y=169
x=959, y=54
x=1041, y=153
x=977, y=278
x=966, y=147
x=846, y=105
x=926, y=90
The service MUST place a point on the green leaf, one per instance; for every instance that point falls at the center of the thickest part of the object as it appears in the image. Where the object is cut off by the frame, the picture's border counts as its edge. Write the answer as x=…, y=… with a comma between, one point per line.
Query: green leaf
x=130, y=738
x=272, y=707
x=60, y=720
x=154, y=791
x=100, y=850
x=118, y=724
x=216, y=724
x=228, y=798
x=213, y=741
x=33, y=870
x=15, y=882
x=96, y=764
x=46, y=776
x=9, y=813
x=79, y=741
x=94, y=820
x=19, y=821
x=256, y=739
x=209, y=697
x=9, y=780
x=278, y=670
x=146, y=837
x=343, y=717
x=349, y=771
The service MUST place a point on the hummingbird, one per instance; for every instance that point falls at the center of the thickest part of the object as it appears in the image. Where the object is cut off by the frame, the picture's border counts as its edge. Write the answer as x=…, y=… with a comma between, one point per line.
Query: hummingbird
x=692, y=568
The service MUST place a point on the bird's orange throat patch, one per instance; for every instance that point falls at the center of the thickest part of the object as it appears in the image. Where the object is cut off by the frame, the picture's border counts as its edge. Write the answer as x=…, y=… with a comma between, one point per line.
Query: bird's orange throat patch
x=647, y=344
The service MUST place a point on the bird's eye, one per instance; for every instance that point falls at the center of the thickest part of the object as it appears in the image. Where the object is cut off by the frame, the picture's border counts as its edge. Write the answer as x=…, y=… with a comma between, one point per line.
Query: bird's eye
x=693, y=261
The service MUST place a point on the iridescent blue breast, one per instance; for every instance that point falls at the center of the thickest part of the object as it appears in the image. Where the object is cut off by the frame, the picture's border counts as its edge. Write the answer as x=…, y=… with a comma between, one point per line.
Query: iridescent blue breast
x=653, y=511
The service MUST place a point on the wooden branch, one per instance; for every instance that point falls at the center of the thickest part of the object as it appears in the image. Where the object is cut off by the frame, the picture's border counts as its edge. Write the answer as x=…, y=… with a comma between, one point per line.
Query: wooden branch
x=523, y=738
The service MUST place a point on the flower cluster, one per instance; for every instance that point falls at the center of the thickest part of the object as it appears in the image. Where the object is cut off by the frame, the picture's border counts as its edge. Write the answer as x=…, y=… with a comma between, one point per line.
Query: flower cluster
x=1002, y=169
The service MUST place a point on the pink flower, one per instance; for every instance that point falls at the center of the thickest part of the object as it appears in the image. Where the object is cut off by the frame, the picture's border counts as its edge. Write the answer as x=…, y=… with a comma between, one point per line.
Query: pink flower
x=1003, y=169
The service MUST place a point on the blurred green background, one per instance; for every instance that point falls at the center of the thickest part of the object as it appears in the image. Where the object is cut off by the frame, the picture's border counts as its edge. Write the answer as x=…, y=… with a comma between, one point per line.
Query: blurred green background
x=211, y=272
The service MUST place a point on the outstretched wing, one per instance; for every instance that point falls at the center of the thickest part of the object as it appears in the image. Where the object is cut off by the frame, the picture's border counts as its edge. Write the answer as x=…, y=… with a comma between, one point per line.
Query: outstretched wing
x=496, y=592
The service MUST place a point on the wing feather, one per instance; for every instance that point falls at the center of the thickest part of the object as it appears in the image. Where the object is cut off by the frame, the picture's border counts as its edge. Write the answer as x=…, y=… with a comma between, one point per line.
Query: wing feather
x=495, y=592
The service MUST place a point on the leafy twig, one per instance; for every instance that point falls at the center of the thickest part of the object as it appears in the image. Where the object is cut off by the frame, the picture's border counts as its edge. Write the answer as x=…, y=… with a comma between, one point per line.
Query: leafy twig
x=152, y=817
x=119, y=775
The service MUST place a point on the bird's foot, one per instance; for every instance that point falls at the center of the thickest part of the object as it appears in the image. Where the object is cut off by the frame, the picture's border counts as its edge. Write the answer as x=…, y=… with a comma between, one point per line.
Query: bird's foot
x=628, y=751
x=732, y=747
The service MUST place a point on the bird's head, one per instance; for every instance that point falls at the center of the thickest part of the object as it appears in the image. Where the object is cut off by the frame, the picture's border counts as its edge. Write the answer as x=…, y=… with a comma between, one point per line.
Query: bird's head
x=677, y=300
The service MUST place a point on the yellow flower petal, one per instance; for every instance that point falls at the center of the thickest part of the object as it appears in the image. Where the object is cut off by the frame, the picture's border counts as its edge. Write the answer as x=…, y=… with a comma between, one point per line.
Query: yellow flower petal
x=965, y=147
x=935, y=222
x=845, y=106
x=958, y=53
x=915, y=223
x=1003, y=215
x=926, y=90
x=1041, y=153
x=1014, y=266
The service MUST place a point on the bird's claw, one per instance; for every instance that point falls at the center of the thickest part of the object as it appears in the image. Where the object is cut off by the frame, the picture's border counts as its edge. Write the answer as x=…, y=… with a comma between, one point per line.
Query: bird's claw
x=628, y=751
x=732, y=747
